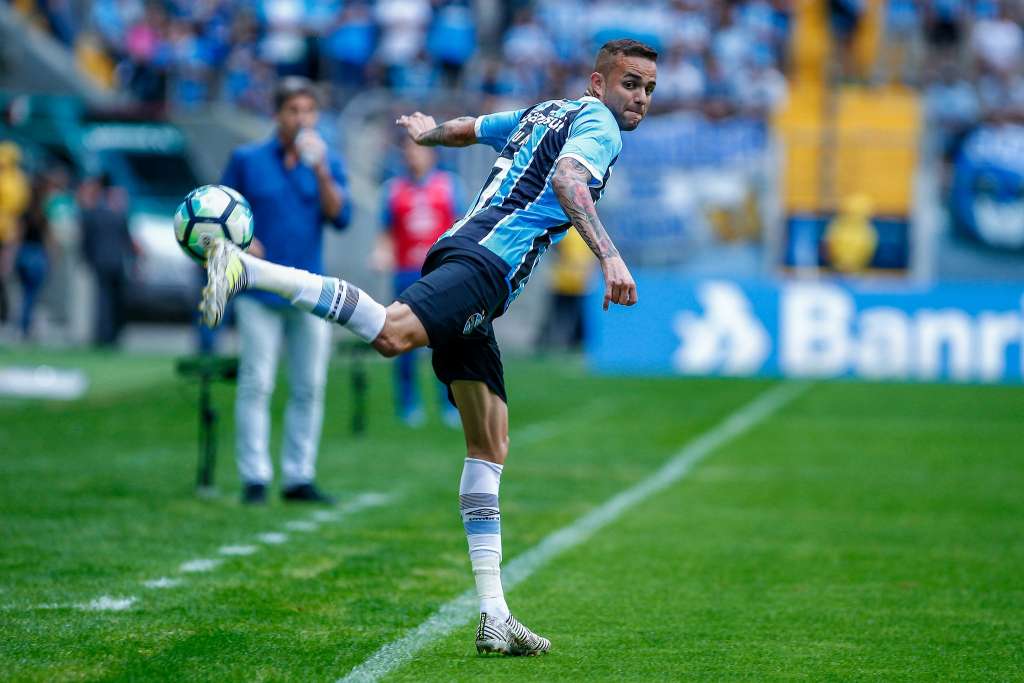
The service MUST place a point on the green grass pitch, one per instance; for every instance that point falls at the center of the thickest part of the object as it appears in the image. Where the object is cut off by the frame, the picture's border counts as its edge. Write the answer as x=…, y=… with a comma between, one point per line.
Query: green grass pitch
x=863, y=532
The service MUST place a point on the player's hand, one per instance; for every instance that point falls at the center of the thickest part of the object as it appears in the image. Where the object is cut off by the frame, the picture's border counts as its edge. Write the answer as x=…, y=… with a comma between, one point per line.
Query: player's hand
x=619, y=287
x=416, y=124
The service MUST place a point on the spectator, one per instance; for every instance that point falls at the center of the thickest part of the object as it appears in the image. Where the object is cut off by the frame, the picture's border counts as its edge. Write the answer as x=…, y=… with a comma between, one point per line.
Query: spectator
x=284, y=45
x=294, y=185
x=943, y=21
x=900, y=59
x=349, y=46
x=418, y=208
x=108, y=249
x=417, y=79
x=402, y=25
x=60, y=16
x=691, y=27
x=35, y=248
x=148, y=55
x=845, y=18
x=451, y=40
x=526, y=43
x=62, y=218
x=192, y=60
x=732, y=43
x=111, y=18
x=247, y=80
x=561, y=21
x=997, y=43
x=760, y=88
x=15, y=194
x=175, y=49
x=490, y=81
x=680, y=78
x=562, y=328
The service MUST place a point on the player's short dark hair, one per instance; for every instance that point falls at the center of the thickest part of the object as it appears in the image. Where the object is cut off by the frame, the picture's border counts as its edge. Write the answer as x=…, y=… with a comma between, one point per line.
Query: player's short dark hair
x=623, y=46
x=293, y=86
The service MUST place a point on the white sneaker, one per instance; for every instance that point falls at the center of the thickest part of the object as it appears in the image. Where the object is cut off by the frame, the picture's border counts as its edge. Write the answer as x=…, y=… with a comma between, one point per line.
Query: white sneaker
x=225, y=275
x=508, y=637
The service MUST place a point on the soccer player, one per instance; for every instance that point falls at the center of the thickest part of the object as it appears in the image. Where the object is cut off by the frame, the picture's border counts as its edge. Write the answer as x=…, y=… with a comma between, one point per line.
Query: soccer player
x=554, y=160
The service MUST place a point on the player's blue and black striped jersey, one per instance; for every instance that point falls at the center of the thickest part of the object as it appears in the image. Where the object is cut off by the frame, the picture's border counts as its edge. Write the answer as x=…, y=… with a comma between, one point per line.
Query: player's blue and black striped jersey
x=516, y=216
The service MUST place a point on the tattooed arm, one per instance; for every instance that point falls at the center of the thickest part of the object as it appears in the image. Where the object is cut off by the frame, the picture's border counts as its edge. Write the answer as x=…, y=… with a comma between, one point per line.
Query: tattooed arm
x=460, y=132
x=571, y=184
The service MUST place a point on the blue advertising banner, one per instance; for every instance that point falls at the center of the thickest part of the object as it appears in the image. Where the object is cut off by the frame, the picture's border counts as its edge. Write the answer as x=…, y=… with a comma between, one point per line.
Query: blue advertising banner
x=988, y=187
x=729, y=327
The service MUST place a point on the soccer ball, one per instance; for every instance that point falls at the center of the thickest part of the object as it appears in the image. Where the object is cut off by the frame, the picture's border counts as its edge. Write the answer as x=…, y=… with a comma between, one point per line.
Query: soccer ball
x=212, y=211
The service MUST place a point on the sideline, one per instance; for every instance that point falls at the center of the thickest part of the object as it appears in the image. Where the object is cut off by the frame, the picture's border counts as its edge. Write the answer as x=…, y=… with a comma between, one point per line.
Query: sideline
x=461, y=610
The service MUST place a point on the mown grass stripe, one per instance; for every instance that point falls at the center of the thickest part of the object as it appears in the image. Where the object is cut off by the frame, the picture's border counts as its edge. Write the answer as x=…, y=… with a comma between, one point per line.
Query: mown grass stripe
x=460, y=610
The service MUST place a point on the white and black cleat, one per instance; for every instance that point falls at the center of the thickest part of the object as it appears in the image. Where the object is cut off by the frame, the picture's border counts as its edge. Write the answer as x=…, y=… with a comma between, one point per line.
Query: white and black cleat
x=225, y=277
x=508, y=637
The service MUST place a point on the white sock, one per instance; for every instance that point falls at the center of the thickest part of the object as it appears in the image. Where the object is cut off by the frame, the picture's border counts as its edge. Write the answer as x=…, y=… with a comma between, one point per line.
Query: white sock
x=325, y=297
x=481, y=517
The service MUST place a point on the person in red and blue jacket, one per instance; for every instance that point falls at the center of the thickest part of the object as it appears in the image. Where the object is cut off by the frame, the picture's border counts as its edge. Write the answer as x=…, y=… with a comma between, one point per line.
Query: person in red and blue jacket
x=417, y=207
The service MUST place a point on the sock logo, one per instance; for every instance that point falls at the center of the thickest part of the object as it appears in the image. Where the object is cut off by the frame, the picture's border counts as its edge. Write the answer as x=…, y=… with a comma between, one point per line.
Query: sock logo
x=473, y=322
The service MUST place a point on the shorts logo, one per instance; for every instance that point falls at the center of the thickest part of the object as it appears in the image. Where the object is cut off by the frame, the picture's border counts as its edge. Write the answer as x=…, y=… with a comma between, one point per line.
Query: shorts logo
x=474, y=322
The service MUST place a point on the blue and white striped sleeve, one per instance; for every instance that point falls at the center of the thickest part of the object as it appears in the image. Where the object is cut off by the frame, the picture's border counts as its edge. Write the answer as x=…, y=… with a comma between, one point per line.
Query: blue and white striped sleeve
x=494, y=129
x=594, y=141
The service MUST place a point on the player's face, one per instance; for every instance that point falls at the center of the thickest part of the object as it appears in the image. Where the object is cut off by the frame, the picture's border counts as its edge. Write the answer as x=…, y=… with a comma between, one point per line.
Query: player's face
x=296, y=113
x=627, y=89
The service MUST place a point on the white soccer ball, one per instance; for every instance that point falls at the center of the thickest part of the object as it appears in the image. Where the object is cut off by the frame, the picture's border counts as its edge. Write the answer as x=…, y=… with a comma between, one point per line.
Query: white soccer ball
x=212, y=211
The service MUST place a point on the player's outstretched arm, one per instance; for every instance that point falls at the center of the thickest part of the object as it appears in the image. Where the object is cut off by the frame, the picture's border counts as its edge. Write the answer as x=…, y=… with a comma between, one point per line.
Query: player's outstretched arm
x=460, y=132
x=571, y=185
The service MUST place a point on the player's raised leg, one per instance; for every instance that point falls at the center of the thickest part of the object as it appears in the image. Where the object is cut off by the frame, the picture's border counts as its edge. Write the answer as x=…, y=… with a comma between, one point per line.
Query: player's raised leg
x=392, y=330
x=485, y=421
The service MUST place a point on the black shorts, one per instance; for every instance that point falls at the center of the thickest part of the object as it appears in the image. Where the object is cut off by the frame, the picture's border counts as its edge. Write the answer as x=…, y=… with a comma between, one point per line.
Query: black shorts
x=456, y=299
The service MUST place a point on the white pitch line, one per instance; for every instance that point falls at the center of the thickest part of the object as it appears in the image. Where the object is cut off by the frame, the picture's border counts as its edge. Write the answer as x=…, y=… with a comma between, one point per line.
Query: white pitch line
x=200, y=565
x=325, y=516
x=106, y=603
x=365, y=500
x=458, y=612
x=112, y=604
x=273, y=538
x=237, y=550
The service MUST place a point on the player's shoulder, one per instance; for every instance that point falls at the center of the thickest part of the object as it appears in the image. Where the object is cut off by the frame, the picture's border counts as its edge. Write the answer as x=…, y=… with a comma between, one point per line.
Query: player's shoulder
x=592, y=118
x=594, y=110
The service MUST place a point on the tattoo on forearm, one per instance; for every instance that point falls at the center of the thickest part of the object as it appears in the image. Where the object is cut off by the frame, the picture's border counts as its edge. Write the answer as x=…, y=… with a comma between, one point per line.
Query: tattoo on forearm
x=571, y=185
x=455, y=133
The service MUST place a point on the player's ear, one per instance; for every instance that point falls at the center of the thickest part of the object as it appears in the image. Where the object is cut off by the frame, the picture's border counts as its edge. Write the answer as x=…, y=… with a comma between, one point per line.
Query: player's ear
x=597, y=84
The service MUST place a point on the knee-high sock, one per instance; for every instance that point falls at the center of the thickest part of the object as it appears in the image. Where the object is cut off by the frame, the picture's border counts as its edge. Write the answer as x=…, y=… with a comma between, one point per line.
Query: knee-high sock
x=329, y=298
x=478, y=503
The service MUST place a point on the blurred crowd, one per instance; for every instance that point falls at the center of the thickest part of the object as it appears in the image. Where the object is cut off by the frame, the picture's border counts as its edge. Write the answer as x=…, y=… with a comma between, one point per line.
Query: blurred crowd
x=967, y=57
x=723, y=56
x=47, y=226
x=728, y=54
